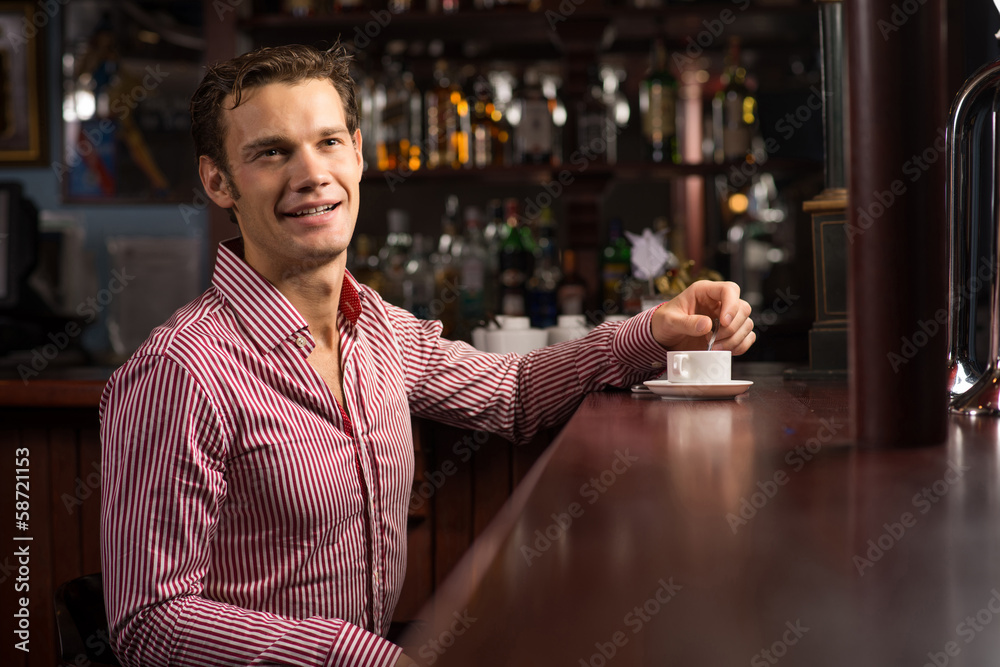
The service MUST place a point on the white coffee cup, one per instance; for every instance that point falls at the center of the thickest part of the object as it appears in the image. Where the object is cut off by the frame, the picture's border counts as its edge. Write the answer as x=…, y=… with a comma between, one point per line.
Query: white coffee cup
x=699, y=366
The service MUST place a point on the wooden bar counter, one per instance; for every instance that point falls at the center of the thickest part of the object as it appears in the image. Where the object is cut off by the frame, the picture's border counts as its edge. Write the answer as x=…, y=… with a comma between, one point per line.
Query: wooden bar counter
x=732, y=532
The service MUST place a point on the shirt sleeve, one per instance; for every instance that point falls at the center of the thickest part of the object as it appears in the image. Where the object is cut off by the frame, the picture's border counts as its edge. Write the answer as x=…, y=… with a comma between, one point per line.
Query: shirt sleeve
x=162, y=466
x=516, y=395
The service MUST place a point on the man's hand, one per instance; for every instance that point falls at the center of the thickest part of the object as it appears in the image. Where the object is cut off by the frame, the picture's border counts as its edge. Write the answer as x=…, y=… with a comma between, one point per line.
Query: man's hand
x=685, y=322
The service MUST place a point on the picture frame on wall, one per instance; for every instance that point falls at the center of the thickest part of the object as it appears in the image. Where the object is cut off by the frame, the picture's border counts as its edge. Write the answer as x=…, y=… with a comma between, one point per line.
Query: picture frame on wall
x=22, y=85
x=128, y=73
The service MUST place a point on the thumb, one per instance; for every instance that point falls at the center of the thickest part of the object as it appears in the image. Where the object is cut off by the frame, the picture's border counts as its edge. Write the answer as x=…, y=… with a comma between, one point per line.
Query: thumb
x=695, y=325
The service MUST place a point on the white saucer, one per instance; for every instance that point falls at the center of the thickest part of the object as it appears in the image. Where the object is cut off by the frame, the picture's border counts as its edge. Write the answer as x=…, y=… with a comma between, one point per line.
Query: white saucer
x=695, y=391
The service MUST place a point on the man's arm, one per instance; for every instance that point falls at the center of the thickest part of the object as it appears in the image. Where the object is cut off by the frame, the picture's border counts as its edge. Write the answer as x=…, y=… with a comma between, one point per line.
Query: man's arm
x=163, y=463
x=515, y=395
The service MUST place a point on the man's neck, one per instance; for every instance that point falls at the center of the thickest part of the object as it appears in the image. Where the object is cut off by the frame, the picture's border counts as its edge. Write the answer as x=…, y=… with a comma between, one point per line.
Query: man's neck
x=314, y=292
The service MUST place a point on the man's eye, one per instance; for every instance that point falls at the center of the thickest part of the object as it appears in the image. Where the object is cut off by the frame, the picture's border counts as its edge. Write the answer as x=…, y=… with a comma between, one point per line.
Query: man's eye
x=332, y=142
x=270, y=152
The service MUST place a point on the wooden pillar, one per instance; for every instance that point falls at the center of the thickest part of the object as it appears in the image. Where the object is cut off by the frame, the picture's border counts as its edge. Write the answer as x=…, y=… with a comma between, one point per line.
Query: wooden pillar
x=220, y=44
x=897, y=232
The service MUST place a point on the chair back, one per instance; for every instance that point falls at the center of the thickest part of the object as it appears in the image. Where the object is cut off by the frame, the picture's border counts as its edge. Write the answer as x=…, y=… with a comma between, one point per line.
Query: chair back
x=82, y=623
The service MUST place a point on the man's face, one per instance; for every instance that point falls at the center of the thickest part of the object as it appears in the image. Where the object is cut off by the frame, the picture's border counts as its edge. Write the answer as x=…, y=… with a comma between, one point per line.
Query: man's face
x=295, y=171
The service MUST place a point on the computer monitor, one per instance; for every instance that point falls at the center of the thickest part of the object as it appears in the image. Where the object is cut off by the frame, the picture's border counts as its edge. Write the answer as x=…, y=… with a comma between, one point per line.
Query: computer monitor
x=18, y=243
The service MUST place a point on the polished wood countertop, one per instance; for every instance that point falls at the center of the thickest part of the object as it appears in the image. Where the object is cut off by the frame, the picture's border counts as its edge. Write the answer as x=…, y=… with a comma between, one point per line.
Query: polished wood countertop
x=733, y=532
x=76, y=387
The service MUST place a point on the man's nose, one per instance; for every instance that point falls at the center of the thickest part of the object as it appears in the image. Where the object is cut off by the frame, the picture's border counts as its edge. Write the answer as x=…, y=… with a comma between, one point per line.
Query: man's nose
x=309, y=170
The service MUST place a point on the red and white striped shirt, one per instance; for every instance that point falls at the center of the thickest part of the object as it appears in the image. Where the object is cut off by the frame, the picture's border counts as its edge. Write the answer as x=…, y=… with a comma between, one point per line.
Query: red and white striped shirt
x=246, y=517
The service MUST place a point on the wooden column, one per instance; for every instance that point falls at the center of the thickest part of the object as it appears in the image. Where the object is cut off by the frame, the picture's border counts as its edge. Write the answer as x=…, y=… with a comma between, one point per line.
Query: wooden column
x=897, y=232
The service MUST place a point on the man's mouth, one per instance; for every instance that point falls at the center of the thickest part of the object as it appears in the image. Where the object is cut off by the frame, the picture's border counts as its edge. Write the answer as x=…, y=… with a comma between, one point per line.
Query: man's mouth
x=317, y=210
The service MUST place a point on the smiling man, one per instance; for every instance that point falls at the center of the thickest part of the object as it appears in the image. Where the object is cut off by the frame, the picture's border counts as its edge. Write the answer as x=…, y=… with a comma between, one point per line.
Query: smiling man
x=257, y=453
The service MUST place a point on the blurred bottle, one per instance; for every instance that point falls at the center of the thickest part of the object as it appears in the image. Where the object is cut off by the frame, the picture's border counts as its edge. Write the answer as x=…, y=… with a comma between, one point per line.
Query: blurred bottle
x=572, y=291
x=533, y=136
x=543, y=307
x=299, y=8
x=516, y=257
x=489, y=131
x=365, y=264
x=418, y=280
x=394, y=120
x=593, y=119
x=395, y=254
x=734, y=110
x=476, y=284
x=441, y=109
x=446, y=267
x=370, y=115
x=615, y=268
x=399, y=135
x=493, y=237
x=658, y=107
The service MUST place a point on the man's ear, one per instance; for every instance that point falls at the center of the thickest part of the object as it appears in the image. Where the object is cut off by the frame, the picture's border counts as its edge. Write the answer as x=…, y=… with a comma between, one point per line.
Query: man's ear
x=357, y=148
x=215, y=182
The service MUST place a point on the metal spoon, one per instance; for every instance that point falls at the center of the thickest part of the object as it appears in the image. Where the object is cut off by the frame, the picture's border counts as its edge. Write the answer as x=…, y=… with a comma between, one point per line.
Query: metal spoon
x=715, y=330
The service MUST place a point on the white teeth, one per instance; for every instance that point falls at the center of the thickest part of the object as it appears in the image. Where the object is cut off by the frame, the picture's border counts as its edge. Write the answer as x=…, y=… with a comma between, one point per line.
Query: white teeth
x=314, y=211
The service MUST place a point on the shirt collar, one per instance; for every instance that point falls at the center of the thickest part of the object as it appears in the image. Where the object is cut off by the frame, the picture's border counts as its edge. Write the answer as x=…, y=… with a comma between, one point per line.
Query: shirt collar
x=267, y=315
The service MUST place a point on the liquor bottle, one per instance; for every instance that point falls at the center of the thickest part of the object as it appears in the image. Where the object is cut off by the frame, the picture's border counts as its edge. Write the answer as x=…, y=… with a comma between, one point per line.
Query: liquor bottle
x=395, y=254
x=572, y=291
x=446, y=267
x=476, y=283
x=534, y=132
x=489, y=132
x=592, y=119
x=370, y=116
x=441, y=111
x=544, y=282
x=299, y=8
x=734, y=110
x=615, y=268
x=418, y=280
x=515, y=262
x=410, y=145
x=395, y=125
x=658, y=107
x=493, y=236
x=365, y=264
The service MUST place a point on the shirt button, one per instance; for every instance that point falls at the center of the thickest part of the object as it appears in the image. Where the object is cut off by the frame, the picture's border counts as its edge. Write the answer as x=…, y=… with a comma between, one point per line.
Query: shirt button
x=300, y=341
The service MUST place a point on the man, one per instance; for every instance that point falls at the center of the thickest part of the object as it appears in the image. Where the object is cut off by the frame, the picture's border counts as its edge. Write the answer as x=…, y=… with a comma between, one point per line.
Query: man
x=258, y=459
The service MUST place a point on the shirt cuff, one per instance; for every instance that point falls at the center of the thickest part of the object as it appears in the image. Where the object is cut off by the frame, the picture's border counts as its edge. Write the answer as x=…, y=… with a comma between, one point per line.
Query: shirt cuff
x=634, y=345
x=355, y=647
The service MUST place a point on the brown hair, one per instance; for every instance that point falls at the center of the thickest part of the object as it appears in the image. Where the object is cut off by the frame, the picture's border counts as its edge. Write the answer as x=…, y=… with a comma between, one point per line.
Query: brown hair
x=278, y=64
